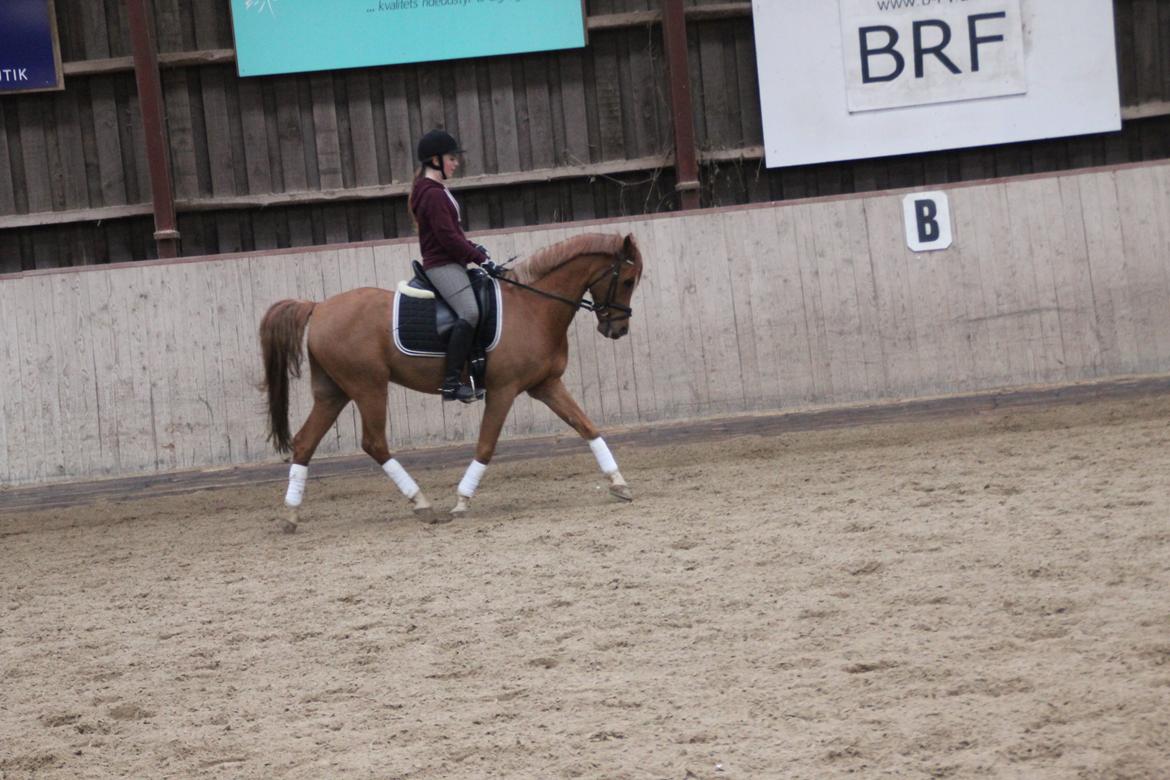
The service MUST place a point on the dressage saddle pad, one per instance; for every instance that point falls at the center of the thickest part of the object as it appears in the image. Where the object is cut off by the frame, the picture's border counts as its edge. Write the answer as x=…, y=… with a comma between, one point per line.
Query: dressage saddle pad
x=422, y=321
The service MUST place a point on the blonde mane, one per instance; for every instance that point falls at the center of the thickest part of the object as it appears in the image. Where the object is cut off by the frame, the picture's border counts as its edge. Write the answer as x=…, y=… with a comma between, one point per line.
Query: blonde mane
x=540, y=264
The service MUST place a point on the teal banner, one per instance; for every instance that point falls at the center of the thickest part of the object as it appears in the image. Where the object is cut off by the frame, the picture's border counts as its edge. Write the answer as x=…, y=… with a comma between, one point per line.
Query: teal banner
x=292, y=36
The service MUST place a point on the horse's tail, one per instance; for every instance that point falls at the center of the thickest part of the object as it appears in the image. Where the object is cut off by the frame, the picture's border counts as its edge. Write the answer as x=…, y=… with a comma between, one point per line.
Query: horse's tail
x=281, y=332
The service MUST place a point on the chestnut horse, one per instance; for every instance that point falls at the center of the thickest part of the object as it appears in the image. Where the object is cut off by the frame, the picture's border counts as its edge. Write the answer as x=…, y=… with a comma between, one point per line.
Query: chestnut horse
x=353, y=357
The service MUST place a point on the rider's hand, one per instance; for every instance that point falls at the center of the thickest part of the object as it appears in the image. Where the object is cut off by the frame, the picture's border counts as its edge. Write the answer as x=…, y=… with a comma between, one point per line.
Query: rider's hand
x=491, y=268
x=487, y=256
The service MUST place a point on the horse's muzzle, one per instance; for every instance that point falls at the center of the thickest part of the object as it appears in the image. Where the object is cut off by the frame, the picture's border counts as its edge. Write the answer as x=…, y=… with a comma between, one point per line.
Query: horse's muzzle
x=613, y=330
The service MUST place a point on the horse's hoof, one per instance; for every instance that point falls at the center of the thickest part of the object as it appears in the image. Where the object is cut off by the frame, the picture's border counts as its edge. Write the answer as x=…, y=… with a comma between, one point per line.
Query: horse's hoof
x=421, y=506
x=461, y=508
x=289, y=522
x=621, y=492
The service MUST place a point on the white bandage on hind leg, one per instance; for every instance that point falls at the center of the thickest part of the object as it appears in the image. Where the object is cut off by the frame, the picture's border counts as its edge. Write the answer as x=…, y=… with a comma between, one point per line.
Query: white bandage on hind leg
x=471, y=478
x=395, y=471
x=604, y=456
x=297, y=476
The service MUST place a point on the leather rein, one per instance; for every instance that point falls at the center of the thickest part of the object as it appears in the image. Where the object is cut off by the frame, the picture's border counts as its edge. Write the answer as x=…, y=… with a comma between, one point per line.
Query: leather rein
x=613, y=272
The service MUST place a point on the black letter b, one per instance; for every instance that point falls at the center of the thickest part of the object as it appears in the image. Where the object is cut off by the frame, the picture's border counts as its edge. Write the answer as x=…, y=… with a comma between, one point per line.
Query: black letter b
x=926, y=211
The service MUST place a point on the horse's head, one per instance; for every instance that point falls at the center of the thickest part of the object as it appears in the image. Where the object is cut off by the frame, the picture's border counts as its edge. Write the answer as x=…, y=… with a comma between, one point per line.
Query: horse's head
x=613, y=290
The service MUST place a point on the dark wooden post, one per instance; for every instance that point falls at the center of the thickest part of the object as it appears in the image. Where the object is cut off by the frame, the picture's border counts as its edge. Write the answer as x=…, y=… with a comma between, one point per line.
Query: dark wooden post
x=674, y=36
x=150, y=102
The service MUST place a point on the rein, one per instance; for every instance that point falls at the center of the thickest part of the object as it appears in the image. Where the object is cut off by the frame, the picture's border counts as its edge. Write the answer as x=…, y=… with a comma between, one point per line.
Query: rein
x=584, y=303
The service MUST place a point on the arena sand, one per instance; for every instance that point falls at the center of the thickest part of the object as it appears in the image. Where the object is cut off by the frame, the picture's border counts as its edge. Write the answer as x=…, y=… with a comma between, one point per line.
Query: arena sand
x=985, y=596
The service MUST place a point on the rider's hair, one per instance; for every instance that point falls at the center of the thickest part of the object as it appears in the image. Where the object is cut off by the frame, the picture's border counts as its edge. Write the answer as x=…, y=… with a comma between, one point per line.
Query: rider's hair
x=418, y=174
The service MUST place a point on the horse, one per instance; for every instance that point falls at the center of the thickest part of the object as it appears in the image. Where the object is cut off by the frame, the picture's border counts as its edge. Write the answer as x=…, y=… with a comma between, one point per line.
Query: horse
x=353, y=357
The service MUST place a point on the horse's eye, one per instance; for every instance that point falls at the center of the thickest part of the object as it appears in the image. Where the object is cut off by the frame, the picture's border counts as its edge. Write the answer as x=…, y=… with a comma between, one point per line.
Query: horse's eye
x=628, y=284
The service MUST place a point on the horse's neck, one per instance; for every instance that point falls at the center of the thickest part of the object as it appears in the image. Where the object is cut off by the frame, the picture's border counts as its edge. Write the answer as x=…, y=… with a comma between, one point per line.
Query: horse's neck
x=572, y=278
x=569, y=282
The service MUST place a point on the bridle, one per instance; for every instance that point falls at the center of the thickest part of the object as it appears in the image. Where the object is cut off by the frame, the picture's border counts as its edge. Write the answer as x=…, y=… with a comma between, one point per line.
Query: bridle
x=608, y=305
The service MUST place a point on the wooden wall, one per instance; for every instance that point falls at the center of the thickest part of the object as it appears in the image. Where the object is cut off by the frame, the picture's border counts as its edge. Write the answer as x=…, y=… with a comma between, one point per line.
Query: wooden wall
x=252, y=158
x=148, y=367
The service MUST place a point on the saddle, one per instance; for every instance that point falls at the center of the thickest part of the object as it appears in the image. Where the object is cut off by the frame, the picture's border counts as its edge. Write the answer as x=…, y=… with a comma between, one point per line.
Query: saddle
x=422, y=320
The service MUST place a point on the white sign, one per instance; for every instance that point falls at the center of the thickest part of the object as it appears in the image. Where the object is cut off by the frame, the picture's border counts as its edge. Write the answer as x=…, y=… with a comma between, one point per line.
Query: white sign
x=928, y=221
x=817, y=105
x=930, y=51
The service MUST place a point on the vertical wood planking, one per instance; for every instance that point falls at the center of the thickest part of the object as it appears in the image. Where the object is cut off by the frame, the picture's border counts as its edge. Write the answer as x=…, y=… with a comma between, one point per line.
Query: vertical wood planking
x=40, y=369
x=838, y=297
x=35, y=153
x=7, y=191
x=399, y=138
x=13, y=443
x=895, y=296
x=540, y=119
x=132, y=384
x=74, y=364
x=710, y=274
x=1010, y=329
x=678, y=343
x=177, y=101
x=70, y=146
x=1074, y=282
x=1033, y=260
x=1145, y=251
x=573, y=109
x=504, y=132
x=974, y=311
x=467, y=103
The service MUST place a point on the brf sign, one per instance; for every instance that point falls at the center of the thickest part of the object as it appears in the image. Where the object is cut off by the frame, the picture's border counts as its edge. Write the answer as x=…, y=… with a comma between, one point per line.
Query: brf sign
x=915, y=52
x=850, y=79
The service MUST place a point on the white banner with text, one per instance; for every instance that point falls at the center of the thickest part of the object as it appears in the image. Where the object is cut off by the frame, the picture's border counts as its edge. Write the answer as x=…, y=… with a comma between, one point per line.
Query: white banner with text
x=855, y=79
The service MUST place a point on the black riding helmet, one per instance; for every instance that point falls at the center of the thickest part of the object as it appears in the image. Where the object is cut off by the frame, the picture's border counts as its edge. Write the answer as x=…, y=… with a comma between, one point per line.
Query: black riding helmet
x=437, y=143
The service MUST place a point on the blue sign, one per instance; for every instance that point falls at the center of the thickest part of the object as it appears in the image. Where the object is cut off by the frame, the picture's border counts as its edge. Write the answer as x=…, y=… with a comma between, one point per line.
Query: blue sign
x=29, y=59
x=291, y=36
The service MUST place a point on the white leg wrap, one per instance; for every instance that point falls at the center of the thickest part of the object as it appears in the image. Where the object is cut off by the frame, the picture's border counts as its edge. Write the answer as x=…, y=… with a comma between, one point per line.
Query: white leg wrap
x=471, y=478
x=395, y=471
x=297, y=475
x=604, y=456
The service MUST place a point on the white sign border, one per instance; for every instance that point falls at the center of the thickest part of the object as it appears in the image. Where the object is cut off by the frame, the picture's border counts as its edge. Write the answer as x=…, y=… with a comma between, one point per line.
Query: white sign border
x=1072, y=88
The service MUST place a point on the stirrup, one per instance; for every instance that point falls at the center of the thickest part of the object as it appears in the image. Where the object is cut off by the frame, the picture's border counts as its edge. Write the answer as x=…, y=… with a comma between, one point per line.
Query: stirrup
x=459, y=392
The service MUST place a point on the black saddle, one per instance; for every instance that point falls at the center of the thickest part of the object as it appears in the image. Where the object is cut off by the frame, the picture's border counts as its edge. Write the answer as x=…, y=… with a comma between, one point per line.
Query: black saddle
x=422, y=325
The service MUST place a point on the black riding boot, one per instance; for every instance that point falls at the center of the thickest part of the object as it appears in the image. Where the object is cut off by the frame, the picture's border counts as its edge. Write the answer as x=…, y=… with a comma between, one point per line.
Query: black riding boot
x=458, y=347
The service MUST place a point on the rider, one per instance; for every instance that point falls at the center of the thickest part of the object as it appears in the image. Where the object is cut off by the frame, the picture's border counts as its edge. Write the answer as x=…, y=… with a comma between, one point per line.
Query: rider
x=446, y=251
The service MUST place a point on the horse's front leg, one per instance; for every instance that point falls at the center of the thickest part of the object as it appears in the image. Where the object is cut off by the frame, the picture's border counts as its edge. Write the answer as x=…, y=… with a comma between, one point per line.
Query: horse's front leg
x=556, y=396
x=497, y=406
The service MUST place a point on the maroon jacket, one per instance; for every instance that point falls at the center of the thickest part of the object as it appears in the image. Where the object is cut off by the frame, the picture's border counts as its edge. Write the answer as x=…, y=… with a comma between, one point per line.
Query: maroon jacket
x=439, y=234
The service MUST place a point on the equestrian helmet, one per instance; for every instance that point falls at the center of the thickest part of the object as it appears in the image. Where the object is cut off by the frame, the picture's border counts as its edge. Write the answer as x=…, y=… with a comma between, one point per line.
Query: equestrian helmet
x=436, y=143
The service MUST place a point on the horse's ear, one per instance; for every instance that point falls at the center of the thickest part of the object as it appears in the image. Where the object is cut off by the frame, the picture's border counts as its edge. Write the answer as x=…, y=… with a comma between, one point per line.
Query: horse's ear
x=629, y=248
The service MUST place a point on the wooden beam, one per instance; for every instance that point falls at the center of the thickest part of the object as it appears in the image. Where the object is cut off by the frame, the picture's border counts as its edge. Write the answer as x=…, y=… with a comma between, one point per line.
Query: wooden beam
x=619, y=21
x=742, y=154
x=98, y=214
x=317, y=197
x=174, y=59
x=674, y=35
x=1145, y=110
x=401, y=189
x=154, y=130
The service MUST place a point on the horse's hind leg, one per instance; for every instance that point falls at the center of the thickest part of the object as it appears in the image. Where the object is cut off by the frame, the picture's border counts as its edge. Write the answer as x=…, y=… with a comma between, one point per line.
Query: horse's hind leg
x=328, y=401
x=371, y=405
x=556, y=396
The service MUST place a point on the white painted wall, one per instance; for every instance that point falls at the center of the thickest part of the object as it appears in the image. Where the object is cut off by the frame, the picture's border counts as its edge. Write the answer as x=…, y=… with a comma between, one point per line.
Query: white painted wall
x=154, y=367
